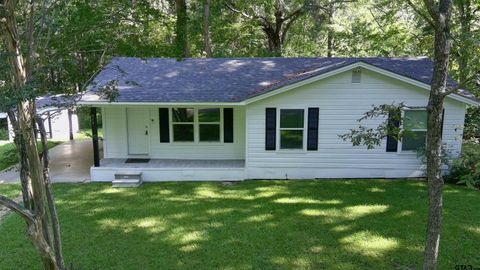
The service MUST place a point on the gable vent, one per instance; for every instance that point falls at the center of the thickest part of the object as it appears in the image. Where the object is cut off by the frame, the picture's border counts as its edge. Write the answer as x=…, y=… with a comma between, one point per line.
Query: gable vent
x=356, y=75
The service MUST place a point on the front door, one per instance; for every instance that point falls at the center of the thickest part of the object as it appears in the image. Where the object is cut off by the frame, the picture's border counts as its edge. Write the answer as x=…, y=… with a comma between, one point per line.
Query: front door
x=137, y=131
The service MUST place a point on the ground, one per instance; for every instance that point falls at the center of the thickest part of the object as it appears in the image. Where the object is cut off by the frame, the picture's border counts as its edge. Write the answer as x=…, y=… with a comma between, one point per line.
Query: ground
x=69, y=162
x=342, y=224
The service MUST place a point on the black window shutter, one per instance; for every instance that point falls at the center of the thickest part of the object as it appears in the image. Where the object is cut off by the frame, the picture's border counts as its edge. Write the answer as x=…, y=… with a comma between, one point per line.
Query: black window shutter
x=392, y=138
x=164, y=125
x=228, y=125
x=312, y=135
x=270, y=128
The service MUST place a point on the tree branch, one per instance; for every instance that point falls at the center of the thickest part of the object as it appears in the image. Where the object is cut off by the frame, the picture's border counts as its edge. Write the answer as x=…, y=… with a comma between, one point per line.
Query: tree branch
x=427, y=18
x=461, y=85
x=23, y=212
x=243, y=13
x=431, y=8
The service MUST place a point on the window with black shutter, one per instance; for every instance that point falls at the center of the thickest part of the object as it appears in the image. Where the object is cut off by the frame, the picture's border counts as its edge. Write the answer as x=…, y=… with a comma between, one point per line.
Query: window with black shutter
x=270, y=128
x=312, y=129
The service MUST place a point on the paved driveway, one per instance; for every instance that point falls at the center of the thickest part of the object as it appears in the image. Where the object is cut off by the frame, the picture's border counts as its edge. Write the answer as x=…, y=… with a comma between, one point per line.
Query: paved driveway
x=69, y=162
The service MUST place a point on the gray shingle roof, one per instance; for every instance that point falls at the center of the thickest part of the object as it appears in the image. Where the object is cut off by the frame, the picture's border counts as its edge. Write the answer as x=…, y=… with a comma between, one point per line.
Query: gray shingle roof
x=230, y=79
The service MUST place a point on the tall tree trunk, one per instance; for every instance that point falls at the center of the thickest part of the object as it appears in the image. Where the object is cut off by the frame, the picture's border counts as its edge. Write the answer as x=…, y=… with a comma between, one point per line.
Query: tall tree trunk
x=465, y=12
x=57, y=241
x=441, y=18
x=181, y=29
x=38, y=217
x=330, y=12
x=206, y=29
x=25, y=181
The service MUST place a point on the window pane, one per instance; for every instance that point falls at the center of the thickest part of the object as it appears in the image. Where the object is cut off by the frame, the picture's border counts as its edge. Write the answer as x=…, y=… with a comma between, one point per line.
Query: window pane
x=416, y=119
x=291, y=139
x=209, y=115
x=183, y=132
x=182, y=115
x=209, y=132
x=414, y=140
x=291, y=118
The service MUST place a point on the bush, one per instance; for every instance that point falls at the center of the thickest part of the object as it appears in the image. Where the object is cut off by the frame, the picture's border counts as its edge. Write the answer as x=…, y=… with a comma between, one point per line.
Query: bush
x=3, y=134
x=466, y=169
x=83, y=114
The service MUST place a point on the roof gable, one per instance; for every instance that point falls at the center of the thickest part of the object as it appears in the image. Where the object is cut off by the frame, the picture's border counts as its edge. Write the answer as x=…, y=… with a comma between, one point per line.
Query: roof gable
x=232, y=80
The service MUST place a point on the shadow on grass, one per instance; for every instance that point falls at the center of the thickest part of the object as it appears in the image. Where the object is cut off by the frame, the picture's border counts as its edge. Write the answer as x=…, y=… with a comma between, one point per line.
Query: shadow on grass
x=256, y=225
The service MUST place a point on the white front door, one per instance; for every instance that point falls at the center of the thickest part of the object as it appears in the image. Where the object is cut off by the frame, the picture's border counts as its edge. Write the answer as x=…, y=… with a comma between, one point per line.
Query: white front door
x=137, y=131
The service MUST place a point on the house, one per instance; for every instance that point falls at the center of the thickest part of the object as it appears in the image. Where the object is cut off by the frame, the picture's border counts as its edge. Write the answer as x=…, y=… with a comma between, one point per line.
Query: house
x=60, y=121
x=260, y=118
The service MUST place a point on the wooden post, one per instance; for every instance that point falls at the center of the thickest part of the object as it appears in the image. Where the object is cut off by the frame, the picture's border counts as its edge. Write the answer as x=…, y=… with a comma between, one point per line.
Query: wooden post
x=93, y=120
x=49, y=125
x=70, y=126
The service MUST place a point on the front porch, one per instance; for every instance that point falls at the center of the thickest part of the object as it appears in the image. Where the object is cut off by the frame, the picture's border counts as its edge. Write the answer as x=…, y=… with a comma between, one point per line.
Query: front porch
x=171, y=169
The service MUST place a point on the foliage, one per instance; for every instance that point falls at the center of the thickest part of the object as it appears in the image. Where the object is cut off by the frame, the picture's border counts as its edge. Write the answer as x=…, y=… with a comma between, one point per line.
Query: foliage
x=472, y=124
x=373, y=136
x=3, y=134
x=84, y=122
x=466, y=169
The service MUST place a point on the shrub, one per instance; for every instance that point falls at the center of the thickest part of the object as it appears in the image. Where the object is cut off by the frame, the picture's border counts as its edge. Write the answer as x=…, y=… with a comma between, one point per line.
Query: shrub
x=3, y=134
x=466, y=169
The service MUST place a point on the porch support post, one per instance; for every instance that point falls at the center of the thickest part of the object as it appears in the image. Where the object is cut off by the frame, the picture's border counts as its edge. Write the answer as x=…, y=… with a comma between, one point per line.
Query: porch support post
x=93, y=121
x=49, y=119
x=70, y=125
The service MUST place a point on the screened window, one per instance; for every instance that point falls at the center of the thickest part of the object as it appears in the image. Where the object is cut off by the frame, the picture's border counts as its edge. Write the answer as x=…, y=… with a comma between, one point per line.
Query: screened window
x=415, y=125
x=209, y=125
x=291, y=128
x=183, y=124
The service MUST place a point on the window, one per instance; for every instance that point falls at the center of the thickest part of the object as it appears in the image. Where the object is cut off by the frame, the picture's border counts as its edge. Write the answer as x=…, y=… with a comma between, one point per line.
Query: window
x=291, y=128
x=209, y=125
x=183, y=124
x=415, y=124
x=196, y=125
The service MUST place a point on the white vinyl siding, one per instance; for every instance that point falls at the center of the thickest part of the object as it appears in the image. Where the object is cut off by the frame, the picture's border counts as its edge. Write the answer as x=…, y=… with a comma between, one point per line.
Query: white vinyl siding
x=341, y=104
x=116, y=140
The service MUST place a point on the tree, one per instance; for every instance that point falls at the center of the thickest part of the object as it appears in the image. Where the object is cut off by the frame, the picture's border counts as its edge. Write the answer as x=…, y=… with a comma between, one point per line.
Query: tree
x=39, y=210
x=181, y=29
x=438, y=16
x=206, y=29
x=275, y=19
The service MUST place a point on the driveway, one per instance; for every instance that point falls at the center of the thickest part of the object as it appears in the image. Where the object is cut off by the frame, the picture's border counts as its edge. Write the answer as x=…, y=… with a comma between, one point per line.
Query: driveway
x=70, y=162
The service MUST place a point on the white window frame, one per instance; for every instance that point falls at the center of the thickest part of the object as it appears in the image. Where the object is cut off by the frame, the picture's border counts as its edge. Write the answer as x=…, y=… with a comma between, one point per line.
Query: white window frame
x=196, y=125
x=173, y=123
x=219, y=123
x=279, y=129
x=400, y=142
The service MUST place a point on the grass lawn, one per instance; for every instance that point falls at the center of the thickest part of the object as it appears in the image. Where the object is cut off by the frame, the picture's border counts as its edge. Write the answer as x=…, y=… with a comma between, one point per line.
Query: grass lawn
x=9, y=157
x=87, y=133
x=361, y=224
x=10, y=190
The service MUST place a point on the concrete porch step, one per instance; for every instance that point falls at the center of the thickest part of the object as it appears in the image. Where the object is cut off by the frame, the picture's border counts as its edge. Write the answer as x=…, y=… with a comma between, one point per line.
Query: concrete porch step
x=127, y=180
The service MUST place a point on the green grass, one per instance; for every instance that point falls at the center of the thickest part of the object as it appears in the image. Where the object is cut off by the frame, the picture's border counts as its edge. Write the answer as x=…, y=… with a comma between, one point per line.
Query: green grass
x=360, y=224
x=9, y=156
x=10, y=190
x=87, y=133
